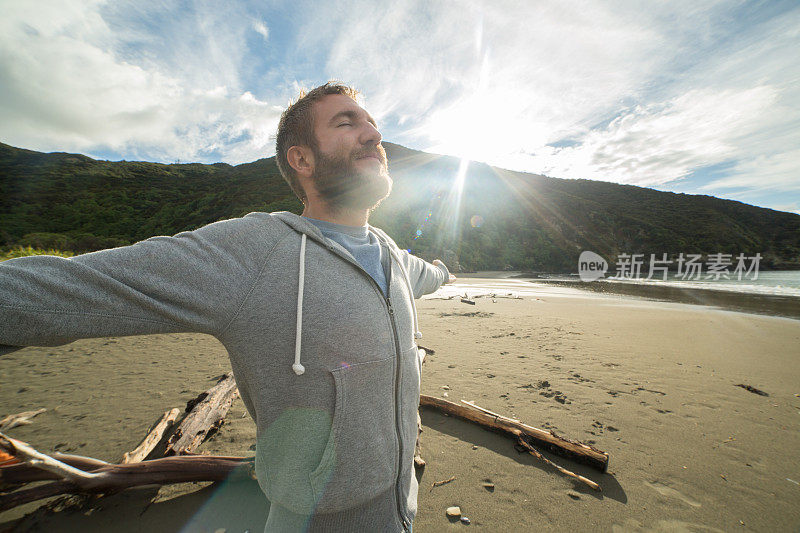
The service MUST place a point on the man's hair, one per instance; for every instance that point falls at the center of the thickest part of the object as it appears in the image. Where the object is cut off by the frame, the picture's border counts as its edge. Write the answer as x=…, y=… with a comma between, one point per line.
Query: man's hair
x=296, y=128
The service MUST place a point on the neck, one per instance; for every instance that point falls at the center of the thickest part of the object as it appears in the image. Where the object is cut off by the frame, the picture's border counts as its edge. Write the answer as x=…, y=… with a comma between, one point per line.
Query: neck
x=346, y=217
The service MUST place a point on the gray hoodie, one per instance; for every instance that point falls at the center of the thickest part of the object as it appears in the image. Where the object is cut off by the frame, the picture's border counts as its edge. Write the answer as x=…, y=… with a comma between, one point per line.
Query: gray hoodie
x=327, y=366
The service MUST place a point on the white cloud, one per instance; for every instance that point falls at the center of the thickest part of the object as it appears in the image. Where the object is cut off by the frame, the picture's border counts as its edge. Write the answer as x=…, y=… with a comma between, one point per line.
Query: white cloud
x=261, y=29
x=658, y=143
x=66, y=86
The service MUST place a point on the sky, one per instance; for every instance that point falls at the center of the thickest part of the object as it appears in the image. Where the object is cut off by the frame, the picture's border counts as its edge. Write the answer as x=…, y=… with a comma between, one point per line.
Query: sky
x=684, y=96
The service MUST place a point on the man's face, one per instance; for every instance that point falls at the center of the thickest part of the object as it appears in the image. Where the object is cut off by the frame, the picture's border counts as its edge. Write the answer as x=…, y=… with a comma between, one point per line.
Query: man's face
x=350, y=169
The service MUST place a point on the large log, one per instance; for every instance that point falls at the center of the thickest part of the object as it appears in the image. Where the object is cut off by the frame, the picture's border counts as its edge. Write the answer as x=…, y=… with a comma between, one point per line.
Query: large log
x=206, y=414
x=162, y=471
x=549, y=440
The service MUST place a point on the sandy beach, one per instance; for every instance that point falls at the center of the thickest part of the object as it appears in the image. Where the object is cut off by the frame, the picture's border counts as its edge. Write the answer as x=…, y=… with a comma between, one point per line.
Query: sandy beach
x=652, y=383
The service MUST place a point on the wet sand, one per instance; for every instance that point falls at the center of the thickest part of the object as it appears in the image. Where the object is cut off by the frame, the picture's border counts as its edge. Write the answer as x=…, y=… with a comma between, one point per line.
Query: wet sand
x=651, y=383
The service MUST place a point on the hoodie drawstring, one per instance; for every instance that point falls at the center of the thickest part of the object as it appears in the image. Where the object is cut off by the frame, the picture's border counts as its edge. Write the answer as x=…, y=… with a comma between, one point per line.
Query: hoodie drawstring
x=297, y=367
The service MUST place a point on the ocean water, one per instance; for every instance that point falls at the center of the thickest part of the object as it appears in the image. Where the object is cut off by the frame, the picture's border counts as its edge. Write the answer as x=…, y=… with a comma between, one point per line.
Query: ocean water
x=774, y=283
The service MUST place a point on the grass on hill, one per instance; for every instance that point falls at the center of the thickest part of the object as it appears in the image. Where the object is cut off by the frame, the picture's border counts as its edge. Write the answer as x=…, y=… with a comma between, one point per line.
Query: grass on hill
x=24, y=251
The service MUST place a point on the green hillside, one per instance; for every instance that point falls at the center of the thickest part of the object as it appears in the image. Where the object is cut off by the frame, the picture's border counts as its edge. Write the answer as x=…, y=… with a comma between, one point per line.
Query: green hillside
x=521, y=221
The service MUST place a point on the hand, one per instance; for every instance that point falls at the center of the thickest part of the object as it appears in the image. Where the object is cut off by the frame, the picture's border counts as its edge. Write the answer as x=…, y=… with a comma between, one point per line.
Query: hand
x=452, y=278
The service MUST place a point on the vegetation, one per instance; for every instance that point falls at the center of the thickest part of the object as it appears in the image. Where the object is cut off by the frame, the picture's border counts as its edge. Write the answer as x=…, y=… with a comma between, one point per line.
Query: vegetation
x=19, y=251
x=505, y=220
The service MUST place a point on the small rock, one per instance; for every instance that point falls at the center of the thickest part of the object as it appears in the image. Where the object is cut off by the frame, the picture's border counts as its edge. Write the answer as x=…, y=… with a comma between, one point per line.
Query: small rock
x=444, y=394
x=488, y=486
x=453, y=512
x=445, y=387
x=465, y=520
x=474, y=447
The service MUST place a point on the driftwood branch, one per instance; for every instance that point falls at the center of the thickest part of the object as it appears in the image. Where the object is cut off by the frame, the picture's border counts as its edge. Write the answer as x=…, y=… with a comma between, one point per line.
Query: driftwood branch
x=26, y=473
x=29, y=455
x=440, y=483
x=152, y=439
x=19, y=419
x=549, y=440
x=206, y=415
x=110, y=477
x=533, y=451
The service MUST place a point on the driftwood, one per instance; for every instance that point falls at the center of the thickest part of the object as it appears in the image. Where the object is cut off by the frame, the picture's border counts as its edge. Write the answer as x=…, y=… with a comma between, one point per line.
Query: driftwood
x=77, y=474
x=533, y=451
x=206, y=414
x=19, y=419
x=152, y=439
x=26, y=473
x=440, y=483
x=752, y=389
x=467, y=301
x=109, y=477
x=575, y=451
x=494, y=295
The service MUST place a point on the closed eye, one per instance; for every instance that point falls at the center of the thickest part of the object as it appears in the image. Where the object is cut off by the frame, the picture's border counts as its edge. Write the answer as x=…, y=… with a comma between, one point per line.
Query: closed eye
x=343, y=124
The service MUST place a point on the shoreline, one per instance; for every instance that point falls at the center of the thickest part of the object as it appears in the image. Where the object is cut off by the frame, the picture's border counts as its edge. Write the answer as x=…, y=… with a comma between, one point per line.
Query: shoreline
x=786, y=306
x=762, y=304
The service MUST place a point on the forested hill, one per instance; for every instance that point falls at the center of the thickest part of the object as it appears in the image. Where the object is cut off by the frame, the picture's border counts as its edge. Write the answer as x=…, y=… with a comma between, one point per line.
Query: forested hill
x=500, y=219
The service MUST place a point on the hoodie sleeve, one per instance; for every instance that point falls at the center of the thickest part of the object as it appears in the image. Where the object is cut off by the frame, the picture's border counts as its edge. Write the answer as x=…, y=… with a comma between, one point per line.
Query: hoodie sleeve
x=192, y=282
x=425, y=277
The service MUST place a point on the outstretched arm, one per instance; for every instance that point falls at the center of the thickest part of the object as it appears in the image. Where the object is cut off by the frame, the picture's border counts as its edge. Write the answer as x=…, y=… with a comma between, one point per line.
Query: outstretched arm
x=190, y=282
x=425, y=277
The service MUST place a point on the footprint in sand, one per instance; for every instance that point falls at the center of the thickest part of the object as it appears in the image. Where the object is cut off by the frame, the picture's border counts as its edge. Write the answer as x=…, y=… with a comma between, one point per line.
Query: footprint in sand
x=672, y=493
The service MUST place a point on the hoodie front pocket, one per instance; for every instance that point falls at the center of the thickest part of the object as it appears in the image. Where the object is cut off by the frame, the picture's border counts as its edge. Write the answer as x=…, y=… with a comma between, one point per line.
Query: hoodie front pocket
x=360, y=458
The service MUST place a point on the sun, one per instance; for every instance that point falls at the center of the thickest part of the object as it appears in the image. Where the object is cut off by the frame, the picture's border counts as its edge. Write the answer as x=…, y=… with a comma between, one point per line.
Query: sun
x=485, y=126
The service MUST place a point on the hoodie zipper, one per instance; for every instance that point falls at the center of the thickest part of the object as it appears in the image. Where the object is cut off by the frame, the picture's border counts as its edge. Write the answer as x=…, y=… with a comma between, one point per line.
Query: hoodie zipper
x=398, y=374
x=397, y=415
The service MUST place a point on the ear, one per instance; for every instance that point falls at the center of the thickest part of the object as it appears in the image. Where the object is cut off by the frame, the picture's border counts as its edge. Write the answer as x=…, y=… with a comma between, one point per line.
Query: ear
x=301, y=159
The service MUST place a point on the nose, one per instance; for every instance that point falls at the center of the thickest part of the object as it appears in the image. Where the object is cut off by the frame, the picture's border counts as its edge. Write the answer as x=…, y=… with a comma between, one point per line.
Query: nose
x=370, y=134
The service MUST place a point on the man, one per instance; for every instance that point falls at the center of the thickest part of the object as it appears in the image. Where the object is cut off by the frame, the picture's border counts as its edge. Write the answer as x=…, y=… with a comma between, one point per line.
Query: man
x=316, y=312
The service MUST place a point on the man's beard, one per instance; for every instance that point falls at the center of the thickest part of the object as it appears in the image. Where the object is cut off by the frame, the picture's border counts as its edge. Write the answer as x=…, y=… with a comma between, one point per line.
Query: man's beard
x=343, y=185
